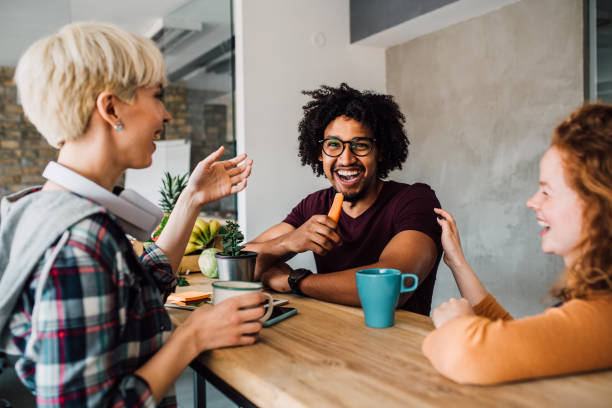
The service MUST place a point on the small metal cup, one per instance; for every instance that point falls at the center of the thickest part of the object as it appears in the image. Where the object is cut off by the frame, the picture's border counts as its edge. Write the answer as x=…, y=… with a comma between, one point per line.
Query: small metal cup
x=236, y=268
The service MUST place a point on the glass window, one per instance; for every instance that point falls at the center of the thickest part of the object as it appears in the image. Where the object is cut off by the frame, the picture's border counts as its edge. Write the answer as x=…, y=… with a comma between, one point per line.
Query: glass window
x=198, y=45
x=197, y=41
x=598, y=50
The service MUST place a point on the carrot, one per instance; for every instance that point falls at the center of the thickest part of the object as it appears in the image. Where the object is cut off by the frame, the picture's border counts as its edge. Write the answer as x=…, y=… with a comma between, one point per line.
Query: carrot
x=336, y=208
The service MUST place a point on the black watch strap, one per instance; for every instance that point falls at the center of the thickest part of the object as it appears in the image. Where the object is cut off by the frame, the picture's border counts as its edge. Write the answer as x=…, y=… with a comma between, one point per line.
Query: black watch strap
x=295, y=276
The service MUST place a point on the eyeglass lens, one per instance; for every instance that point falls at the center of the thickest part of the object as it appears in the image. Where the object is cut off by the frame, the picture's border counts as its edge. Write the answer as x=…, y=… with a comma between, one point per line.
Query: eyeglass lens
x=335, y=147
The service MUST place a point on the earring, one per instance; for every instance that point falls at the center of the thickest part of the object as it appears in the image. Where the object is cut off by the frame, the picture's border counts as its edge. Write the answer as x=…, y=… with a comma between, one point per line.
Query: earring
x=118, y=126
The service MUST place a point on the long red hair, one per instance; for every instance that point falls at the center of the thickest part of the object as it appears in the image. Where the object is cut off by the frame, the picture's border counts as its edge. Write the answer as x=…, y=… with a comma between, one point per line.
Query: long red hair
x=585, y=142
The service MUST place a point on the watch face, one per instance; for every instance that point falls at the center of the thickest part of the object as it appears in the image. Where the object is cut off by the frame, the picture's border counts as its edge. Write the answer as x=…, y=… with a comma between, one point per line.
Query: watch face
x=298, y=274
x=295, y=277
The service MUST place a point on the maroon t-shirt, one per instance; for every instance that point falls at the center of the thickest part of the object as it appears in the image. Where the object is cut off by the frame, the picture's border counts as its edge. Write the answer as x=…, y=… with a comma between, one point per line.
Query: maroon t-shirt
x=399, y=207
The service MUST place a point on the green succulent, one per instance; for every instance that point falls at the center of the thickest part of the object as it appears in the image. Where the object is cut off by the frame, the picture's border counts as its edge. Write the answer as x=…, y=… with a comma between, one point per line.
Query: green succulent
x=171, y=190
x=232, y=237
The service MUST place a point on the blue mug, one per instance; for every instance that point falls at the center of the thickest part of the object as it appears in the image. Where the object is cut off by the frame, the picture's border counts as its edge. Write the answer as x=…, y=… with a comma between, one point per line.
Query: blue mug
x=379, y=290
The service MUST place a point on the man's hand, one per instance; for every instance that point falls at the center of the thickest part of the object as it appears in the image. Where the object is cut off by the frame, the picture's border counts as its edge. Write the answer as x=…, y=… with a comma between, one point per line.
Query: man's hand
x=450, y=310
x=318, y=235
x=277, y=278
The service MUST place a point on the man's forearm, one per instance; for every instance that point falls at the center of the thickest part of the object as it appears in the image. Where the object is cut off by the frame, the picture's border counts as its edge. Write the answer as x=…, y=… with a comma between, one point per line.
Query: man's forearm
x=269, y=253
x=337, y=287
x=409, y=251
x=272, y=247
x=341, y=287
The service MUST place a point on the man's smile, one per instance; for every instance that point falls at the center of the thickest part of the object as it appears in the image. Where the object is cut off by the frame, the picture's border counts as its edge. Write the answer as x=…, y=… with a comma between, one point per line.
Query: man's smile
x=349, y=176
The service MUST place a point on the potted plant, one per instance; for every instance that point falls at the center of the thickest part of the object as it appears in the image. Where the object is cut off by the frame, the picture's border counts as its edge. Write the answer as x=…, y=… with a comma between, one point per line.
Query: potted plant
x=234, y=263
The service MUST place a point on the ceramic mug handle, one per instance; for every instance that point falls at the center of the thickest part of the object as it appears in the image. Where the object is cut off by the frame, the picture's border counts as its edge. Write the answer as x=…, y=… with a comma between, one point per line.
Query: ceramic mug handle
x=268, y=313
x=415, y=278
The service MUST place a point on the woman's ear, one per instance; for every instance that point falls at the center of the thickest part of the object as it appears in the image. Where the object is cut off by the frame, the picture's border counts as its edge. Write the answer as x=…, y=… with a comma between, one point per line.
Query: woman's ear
x=106, y=107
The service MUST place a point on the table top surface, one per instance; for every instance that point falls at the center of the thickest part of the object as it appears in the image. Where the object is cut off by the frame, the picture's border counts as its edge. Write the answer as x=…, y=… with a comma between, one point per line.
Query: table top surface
x=325, y=356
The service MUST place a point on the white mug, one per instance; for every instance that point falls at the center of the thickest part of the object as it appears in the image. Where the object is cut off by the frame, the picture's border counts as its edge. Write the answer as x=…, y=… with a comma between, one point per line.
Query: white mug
x=226, y=289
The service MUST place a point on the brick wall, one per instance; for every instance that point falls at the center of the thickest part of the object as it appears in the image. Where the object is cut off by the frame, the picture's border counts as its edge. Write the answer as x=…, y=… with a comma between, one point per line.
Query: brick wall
x=201, y=116
x=23, y=152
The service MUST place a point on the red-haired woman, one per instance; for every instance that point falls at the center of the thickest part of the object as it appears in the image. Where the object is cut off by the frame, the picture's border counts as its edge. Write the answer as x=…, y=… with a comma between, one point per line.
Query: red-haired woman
x=476, y=340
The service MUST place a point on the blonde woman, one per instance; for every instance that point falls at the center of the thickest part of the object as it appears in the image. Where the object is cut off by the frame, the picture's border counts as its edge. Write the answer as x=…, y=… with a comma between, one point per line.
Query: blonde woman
x=88, y=320
x=476, y=340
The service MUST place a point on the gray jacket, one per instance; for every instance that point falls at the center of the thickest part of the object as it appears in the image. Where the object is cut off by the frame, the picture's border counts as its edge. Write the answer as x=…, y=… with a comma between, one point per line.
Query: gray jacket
x=30, y=223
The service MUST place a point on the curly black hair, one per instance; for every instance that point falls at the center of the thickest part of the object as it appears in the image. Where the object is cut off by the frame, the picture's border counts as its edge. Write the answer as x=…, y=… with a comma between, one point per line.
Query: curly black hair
x=376, y=111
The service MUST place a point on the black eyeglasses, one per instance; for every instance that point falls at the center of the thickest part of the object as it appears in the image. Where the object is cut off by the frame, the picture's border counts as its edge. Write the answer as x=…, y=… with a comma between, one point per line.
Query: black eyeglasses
x=360, y=146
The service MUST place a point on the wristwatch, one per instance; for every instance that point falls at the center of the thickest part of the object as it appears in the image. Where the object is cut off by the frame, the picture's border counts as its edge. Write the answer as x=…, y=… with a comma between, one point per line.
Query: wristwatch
x=295, y=276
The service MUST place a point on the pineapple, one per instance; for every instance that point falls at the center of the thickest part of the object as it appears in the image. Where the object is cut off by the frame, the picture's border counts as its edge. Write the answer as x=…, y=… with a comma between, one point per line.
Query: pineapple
x=170, y=190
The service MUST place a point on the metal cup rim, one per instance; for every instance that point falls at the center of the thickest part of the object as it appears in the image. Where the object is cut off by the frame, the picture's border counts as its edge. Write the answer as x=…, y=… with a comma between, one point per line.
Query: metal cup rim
x=223, y=285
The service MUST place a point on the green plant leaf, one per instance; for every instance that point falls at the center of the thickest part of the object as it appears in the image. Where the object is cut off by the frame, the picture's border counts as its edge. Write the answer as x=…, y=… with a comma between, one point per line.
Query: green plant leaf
x=171, y=190
x=163, y=223
x=231, y=238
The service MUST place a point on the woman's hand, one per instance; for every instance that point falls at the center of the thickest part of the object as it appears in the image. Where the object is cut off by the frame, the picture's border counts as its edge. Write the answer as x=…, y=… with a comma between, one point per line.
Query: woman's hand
x=468, y=283
x=233, y=322
x=453, y=253
x=212, y=180
x=450, y=310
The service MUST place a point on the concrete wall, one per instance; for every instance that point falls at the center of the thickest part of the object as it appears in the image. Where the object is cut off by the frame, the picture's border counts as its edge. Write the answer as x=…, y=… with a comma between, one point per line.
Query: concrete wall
x=482, y=98
x=283, y=47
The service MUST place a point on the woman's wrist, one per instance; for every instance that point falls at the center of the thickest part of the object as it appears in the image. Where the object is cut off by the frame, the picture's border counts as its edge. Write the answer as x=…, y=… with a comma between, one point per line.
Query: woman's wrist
x=191, y=199
x=459, y=266
x=186, y=337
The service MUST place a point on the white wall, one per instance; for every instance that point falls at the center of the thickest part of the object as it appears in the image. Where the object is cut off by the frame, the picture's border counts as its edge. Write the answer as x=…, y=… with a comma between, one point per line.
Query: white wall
x=279, y=52
x=171, y=156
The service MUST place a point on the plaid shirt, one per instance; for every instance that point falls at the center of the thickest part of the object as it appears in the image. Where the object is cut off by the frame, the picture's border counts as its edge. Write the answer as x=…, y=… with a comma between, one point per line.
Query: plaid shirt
x=101, y=318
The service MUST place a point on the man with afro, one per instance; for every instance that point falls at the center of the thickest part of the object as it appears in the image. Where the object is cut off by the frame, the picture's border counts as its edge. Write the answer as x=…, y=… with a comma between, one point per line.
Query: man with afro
x=355, y=139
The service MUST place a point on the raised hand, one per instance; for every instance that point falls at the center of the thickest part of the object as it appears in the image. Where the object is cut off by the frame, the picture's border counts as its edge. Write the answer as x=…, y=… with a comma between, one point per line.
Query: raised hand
x=212, y=179
x=468, y=283
x=318, y=235
x=453, y=253
x=450, y=310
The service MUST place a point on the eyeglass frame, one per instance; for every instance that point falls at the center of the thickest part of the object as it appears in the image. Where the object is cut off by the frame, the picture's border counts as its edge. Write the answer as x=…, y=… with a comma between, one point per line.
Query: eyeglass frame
x=350, y=142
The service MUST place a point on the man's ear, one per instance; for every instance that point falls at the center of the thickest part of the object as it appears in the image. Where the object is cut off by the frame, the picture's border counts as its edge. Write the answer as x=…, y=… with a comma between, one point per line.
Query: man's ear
x=106, y=107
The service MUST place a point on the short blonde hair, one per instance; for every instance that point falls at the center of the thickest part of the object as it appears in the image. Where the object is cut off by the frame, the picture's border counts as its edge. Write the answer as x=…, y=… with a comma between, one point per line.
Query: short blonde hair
x=60, y=76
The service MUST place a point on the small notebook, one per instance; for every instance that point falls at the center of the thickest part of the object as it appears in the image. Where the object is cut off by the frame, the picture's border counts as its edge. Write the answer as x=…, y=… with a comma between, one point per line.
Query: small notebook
x=192, y=305
x=191, y=298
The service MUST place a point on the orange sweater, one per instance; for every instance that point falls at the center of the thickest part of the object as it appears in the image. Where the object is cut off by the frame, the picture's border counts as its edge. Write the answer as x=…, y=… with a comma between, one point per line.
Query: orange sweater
x=492, y=348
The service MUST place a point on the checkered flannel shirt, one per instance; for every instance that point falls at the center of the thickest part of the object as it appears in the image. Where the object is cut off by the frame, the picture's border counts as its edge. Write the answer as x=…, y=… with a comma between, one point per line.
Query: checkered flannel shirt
x=101, y=318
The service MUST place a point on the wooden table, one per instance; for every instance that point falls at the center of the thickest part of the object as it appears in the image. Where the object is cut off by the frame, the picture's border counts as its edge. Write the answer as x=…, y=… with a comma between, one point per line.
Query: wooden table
x=325, y=356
